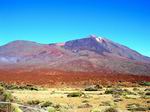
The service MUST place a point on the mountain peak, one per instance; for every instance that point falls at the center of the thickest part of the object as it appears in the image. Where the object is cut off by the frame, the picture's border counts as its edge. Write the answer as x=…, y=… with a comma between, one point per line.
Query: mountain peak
x=97, y=38
x=91, y=43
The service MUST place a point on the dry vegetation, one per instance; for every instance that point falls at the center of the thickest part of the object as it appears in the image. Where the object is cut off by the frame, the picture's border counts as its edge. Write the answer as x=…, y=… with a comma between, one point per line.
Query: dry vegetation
x=95, y=98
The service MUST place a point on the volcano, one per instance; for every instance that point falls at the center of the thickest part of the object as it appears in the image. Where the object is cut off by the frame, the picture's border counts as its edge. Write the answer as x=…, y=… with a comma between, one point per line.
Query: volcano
x=90, y=55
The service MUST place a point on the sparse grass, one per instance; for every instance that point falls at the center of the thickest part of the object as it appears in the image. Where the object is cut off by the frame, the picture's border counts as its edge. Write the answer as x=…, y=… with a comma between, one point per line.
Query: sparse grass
x=79, y=100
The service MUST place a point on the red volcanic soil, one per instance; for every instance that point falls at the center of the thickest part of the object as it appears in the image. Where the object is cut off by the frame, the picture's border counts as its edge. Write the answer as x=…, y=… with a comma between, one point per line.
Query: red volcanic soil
x=57, y=78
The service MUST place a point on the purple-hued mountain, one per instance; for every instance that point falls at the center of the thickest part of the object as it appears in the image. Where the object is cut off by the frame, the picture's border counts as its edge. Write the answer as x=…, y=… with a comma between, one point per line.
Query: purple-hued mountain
x=91, y=54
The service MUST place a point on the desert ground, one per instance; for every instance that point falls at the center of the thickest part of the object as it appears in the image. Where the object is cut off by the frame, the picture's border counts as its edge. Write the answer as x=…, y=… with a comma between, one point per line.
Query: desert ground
x=91, y=98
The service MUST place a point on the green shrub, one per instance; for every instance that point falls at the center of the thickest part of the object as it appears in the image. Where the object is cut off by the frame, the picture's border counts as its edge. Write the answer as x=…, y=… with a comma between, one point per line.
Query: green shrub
x=118, y=99
x=107, y=103
x=11, y=86
x=3, y=107
x=140, y=93
x=147, y=89
x=74, y=94
x=93, y=88
x=7, y=96
x=118, y=91
x=2, y=84
x=111, y=110
x=144, y=83
x=22, y=87
x=109, y=91
x=85, y=101
x=2, y=90
x=147, y=93
x=30, y=87
x=15, y=108
x=148, y=101
x=95, y=110
x=136, y=107
x=86, y=105
x=136, y=89
x=57, y=107
x=46, y=104
x=51, y=109
x=34, y=102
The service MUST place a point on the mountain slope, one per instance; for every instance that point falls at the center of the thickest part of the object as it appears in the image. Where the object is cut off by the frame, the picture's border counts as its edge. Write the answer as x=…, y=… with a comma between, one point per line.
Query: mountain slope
x=105, y=46
x=91, y=54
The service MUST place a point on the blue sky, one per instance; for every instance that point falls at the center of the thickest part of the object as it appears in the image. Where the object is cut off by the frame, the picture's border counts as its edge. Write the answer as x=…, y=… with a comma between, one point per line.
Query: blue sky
x=46, y=21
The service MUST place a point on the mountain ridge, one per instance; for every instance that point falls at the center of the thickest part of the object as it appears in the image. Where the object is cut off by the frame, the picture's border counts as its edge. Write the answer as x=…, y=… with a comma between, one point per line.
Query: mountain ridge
x=90, y=54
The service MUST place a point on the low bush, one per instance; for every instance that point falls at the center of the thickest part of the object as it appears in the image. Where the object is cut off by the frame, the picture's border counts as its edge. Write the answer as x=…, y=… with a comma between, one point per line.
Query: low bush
x=118, y=99
x=96, y=110
x=2, y=90
x=144, y=83
x=107, y=103
x=147, y=93
x=7, y=96
x=109, y=91
x=148, y=101
x=75, y=94
x=136, y=89
x=15, y=108
x=86, y=105
x=93, y=88
x=46, y=104
x=111, y=110
x=57, y=106
x=119, y=91
x=60, y=108
x=147, y=89
x=85, y=101
x=51, y=109
x=3, y=107
x=34, y=102
x=140, y=93
x=21, y=87
x=136, y=107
